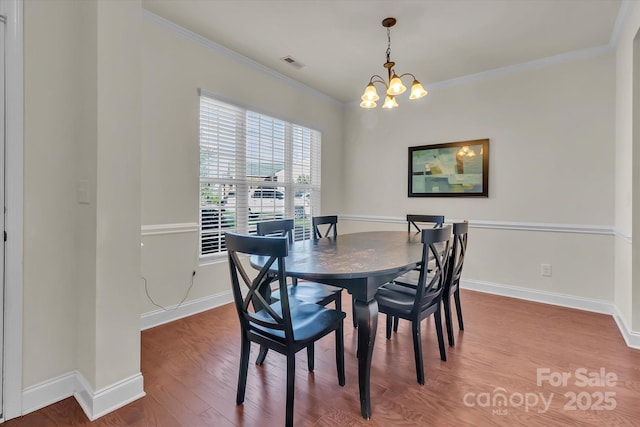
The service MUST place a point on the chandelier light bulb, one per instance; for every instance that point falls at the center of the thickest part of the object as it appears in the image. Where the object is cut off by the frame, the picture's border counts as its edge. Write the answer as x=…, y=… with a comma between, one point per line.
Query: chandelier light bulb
x=370, y=93
x=395, y=86
x=417, y=91
x=390, y=102
x=368, y=104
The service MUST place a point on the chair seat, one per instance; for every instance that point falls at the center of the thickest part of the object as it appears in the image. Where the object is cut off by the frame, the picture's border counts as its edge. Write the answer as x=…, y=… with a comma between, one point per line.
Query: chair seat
x=409, y=278
x=309, y=321
x=400, y=299
x=310, y=292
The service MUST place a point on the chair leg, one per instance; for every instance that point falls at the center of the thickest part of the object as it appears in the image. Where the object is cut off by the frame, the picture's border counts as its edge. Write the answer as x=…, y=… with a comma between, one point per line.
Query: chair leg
x=353, y=312
x=449, y=322
x=339, y=301
x=291, y=377
x=340, y=354
x=417, y=351
x=389, y=321
x=396, y=320
x=456, y=297
x=245, y=349
x=262, y=355
x=310, y=356
x=438, y=319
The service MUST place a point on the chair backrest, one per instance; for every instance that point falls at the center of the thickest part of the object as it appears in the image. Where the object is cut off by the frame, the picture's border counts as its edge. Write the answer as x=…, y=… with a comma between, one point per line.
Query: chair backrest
x=458, y=251
x=276, y=227
x=332, y=226
x=436, y=220
x=249, y=287
x=436, y=245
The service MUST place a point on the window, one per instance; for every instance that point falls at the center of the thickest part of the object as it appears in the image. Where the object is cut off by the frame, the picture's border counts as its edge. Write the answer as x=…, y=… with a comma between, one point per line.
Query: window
x=254, y=168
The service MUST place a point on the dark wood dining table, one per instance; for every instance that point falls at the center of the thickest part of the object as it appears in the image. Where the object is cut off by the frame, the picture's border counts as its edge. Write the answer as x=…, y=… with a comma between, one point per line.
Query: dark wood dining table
x=359, y=263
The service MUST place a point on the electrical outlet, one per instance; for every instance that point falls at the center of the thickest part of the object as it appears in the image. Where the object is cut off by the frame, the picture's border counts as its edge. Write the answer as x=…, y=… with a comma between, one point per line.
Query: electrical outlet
x=545, y=270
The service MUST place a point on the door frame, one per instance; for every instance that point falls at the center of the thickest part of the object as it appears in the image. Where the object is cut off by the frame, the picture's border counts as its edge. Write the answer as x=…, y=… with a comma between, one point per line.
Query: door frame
x=13, y=305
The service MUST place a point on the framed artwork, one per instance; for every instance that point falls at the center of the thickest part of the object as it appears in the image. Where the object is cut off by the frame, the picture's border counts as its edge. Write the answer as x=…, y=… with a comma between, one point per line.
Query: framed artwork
x=454, y=169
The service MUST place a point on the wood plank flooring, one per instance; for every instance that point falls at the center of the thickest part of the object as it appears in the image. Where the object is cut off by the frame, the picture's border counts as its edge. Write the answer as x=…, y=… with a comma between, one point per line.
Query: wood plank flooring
x=491, y=377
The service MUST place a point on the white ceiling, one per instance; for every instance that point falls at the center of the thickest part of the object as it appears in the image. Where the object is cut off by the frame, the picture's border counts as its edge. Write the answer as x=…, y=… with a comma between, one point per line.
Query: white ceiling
x=342, y=42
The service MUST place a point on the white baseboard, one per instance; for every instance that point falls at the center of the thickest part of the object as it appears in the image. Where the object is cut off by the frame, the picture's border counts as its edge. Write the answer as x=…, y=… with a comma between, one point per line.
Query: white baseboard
x=160, y=317
x=94, y=404
x=98, y=403
x=48, y=392
x=631, y=338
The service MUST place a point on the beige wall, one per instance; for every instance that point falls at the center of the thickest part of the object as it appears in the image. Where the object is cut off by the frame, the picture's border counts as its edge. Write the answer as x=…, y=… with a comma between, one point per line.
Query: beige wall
x=82, y=123
x=53, y=104
x=174, y=68
x=551, y=134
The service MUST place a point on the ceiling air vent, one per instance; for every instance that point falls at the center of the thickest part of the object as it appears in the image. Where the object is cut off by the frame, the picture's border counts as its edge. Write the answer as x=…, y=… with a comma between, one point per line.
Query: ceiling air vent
x=295, y=64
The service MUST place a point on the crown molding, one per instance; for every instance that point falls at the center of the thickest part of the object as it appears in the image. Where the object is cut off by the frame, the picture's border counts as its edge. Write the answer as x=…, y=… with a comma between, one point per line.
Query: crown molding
x=621, y=20
x=235, y=56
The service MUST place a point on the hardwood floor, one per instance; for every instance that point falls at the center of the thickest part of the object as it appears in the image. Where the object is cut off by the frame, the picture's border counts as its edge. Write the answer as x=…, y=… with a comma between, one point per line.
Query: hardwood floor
x=190, y=370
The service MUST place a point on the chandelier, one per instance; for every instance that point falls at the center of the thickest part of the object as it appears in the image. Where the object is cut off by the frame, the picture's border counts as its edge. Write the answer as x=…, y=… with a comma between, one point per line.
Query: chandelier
x=395, y=86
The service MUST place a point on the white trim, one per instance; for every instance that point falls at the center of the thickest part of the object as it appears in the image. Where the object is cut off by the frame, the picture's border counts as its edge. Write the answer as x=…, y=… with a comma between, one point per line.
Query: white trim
x=623, y=16
x=159, y=229
x=108, y=399
x=94, y=404
x=562, y=58
x=12, y=394
x=622, y=234
x=160, y=317
x=536, y=64
x=47, y=392
x=501, y=225
x=631, y=338
x=231, y=54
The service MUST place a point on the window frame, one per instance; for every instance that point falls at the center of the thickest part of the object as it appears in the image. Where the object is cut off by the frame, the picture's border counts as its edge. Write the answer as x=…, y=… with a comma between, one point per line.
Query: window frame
x=244, y=186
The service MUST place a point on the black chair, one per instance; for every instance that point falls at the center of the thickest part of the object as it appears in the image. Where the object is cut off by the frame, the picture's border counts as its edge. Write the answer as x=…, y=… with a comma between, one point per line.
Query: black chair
x=330, y=221
x=452, y=285
x=417, y=222
x=415, y=305
x=280, y=326
x=454, y=271
x=309, y=292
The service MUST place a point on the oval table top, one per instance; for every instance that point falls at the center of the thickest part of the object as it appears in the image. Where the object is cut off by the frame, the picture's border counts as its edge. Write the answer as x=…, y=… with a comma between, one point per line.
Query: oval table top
x=374, y=257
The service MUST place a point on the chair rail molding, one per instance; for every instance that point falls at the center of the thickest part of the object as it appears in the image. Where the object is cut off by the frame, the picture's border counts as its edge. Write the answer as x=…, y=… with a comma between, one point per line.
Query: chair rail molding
x=159, y=229
x=504, y=225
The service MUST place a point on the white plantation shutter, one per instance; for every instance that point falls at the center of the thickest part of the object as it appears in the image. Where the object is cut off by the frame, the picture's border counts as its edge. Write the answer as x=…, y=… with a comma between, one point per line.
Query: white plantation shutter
x=254, y=168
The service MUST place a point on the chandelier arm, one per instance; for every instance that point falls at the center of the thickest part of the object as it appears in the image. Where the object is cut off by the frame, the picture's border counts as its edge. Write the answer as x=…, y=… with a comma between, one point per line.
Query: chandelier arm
x=407, y=74
x=379, y=80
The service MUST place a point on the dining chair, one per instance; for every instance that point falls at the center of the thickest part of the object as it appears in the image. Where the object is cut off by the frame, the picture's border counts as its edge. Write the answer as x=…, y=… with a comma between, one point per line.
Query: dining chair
x=308, y=292
x=331, y=226
x=454, y=272
x=415, y=305
x=281, y=326
x=452, y=283
x=417, y=222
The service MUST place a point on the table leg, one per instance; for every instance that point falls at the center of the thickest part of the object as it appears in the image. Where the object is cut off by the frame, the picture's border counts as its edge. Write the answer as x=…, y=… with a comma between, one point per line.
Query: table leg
x=367, y=318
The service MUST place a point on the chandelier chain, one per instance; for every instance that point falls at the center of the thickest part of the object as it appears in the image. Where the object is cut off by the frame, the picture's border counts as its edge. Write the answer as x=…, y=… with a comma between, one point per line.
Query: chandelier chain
x=388, y=44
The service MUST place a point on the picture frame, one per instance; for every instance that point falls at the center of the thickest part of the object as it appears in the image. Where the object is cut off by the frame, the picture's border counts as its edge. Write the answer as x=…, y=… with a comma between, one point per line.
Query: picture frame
x=453, y=169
